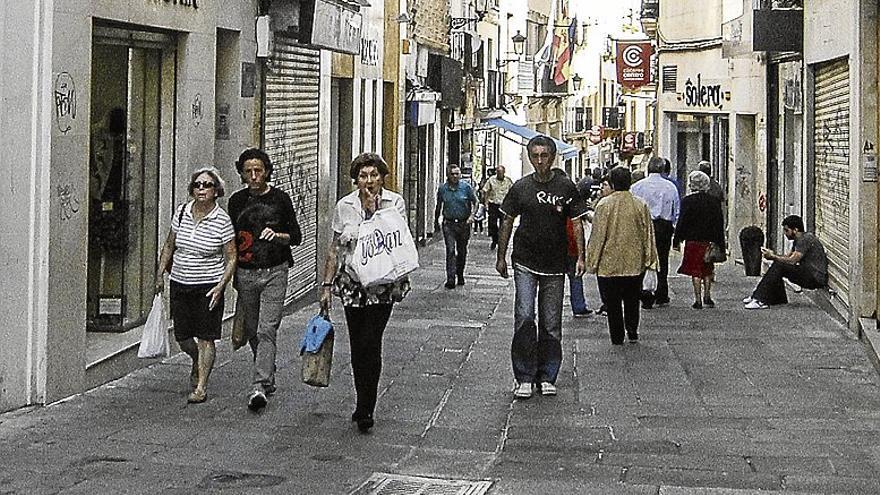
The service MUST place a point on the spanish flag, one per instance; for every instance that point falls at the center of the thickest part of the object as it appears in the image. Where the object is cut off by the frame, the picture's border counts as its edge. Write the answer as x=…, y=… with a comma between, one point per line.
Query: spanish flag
x=563, y=49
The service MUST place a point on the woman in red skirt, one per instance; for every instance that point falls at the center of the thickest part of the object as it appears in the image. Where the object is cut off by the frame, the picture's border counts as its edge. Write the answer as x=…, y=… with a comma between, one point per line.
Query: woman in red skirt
x=700, y=222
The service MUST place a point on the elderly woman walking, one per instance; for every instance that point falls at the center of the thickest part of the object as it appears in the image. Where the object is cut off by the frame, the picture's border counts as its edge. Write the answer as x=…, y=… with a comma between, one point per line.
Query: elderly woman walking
x=620, y=249
x=202, y=244
x=367, y=309
x=700, y=223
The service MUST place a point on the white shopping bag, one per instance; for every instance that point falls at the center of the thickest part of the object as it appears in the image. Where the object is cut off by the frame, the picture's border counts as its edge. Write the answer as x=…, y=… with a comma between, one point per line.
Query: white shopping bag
x=154, y=340
x=385, y=250
x=649, y=283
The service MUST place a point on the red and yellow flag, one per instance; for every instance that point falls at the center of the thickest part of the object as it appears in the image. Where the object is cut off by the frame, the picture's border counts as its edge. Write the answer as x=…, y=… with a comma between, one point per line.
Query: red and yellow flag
x=563, y=49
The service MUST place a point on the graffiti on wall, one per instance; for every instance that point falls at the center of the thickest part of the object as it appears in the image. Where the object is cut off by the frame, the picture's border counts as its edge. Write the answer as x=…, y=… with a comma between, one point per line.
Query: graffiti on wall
x=65, y=102
x=68, y=204
x=197, y=109
x=302, y=188
x=832, y=166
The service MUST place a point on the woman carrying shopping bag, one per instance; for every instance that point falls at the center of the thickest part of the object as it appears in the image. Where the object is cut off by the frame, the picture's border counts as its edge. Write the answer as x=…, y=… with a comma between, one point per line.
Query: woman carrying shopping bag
x=202, y=244
x=367, y=307
x=700, y=224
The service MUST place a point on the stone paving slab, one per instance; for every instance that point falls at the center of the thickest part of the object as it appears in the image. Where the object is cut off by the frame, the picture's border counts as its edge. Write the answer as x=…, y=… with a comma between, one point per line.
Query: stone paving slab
x=710, y=402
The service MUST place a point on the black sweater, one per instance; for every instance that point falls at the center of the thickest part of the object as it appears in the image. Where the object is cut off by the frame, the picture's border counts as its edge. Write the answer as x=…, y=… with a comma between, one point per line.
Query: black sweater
x=701, y=219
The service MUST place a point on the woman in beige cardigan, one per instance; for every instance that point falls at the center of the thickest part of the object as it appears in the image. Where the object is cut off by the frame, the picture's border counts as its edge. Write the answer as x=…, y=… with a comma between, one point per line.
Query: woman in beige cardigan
x=620, y=249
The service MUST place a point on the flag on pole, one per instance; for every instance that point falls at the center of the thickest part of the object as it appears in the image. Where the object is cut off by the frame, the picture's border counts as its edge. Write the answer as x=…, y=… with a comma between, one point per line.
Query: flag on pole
x=564, y=44
x=544, y=56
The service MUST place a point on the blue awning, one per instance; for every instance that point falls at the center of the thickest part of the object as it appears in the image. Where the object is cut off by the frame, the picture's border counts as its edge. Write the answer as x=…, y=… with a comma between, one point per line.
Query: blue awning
x=563, y=149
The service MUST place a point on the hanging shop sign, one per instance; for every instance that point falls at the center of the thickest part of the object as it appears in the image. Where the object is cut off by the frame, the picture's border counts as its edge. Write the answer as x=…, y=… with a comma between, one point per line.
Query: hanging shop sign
x=634, y=64
x=331, y=25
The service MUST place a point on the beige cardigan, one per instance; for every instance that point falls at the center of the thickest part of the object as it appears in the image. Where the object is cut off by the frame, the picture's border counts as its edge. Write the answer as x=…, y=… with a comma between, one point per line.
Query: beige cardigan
x=622, y=241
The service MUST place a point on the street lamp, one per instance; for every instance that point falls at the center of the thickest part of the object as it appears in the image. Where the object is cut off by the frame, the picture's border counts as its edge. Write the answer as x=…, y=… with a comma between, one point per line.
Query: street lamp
x=481, y=8
x=576, y=82
x=519, y=42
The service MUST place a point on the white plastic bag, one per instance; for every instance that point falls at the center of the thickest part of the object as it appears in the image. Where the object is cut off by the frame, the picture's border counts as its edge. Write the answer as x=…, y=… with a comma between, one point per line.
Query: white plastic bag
x=154, y=340
x=649, y=283
x=385, y=250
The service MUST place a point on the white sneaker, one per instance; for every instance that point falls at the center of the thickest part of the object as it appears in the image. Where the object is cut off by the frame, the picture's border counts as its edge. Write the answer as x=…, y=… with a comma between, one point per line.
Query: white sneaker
x=755, y=304
x=548, y=388
x=748, y=300
x=523, y=390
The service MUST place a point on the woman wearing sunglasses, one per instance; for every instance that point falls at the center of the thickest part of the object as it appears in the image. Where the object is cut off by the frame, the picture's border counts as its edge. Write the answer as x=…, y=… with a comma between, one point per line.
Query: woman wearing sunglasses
x=202, y=244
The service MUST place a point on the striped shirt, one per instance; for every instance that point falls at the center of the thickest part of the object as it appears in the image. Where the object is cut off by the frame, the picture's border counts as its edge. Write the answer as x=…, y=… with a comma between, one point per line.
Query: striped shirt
x=199, y=257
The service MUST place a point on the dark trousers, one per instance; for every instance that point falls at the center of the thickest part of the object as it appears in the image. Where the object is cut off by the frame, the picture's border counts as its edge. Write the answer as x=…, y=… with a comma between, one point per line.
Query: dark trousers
x=663, y=231
x=456, y=236
x=621, y=298
x=771, y=288
x=494, y=219
x=365, y=328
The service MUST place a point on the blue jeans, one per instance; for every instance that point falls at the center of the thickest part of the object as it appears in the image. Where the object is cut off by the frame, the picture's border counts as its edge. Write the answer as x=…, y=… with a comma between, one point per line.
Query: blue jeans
x=536, y=351
x=575, y=288
x=456, y=236
x=261, y=293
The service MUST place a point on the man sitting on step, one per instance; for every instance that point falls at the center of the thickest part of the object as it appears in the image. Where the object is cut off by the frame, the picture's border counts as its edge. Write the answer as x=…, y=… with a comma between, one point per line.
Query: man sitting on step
x=806, y=265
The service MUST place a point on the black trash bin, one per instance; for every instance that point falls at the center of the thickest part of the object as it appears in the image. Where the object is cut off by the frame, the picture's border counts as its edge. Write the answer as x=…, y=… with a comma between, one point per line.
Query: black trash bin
x=751, y=239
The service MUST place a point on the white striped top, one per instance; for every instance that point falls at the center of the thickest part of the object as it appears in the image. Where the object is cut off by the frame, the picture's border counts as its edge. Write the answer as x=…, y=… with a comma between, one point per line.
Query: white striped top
x=199, y=257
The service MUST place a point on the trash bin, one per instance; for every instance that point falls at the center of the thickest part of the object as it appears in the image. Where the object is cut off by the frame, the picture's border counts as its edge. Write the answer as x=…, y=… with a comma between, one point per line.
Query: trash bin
x=751, y=239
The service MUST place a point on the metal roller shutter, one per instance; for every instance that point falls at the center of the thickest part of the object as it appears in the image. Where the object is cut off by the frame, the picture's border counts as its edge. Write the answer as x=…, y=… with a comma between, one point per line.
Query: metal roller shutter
x=831, y=142
x=291, y=134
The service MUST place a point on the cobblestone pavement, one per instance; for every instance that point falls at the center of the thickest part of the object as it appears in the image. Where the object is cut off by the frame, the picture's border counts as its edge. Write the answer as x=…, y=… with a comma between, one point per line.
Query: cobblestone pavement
x=713, y=401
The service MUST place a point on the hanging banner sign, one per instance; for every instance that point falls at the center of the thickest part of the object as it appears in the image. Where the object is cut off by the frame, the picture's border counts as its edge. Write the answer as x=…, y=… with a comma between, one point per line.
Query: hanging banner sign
x=634, y=64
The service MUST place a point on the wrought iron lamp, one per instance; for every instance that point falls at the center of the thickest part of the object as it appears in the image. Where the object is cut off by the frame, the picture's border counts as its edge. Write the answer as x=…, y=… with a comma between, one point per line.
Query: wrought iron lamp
x=576, y=81
x=481, y=8
x=519, y=42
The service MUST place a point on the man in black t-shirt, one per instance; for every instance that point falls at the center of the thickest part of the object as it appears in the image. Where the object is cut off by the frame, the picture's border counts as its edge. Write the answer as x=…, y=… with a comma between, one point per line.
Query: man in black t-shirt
x=265, y=228
x=543, y=200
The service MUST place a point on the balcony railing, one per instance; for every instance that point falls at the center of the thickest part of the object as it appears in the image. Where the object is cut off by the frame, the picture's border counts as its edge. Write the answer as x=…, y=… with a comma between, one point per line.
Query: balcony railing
x=650, y=9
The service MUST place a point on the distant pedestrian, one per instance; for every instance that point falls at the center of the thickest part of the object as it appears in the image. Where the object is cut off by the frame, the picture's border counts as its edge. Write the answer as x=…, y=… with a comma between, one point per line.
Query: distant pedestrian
x=637, y=176
x=806, y=265
x=575, y=281
x=701, y=222
x=715, y=189
x=265, y=227
x=576, y=296
x=367, y=309
x=620, y=249
x=201, y=244
x=543, y=200
x=458, y=204
x=662, y=199
x=667, y=174
x=494, y=191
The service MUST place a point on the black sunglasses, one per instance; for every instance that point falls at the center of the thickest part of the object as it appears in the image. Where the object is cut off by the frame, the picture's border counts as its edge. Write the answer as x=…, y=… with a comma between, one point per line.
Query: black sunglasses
x=202, y=185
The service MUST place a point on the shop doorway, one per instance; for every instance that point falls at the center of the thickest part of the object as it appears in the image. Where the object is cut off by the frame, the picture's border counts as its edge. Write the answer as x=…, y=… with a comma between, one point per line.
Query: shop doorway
x=132, y=78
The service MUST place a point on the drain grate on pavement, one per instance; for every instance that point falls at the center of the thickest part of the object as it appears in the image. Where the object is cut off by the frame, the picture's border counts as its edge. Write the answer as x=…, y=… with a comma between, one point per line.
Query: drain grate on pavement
x=395, y=484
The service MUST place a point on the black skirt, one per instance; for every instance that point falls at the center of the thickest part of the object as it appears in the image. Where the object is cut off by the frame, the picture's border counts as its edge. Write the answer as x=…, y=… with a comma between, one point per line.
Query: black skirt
x=190, y=313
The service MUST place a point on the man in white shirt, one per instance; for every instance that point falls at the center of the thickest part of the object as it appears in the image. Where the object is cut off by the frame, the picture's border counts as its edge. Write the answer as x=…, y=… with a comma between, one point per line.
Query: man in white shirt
x=661, y=195
x=494, y=191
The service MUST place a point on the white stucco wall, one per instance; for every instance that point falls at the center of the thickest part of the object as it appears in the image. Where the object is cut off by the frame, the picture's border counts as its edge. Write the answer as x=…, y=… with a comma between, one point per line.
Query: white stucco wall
x=25, y=117
x=690, y=19
x=829, y=30
x=45, y=218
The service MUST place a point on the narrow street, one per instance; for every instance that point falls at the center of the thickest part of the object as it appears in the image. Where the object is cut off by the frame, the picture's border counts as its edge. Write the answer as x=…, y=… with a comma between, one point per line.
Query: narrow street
x=779, y=400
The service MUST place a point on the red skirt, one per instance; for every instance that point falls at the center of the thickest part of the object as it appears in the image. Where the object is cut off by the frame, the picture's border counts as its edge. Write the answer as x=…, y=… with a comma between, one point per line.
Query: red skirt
x=692, y=262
